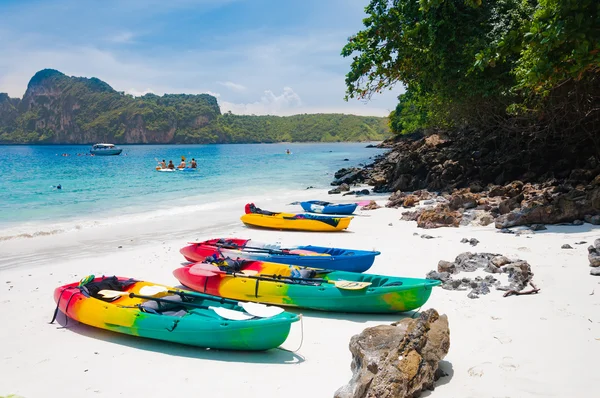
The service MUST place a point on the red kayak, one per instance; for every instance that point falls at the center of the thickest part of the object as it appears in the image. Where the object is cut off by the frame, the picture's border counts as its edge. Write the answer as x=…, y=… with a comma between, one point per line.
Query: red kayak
x=308, y=256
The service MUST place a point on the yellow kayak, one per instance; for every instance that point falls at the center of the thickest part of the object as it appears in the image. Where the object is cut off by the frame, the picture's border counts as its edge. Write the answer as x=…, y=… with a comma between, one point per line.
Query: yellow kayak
x=301, y=222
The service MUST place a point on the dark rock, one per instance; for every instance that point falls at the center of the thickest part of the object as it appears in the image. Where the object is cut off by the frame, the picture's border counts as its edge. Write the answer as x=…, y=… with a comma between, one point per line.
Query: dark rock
x=595, y=271
x=537, y=227
x=349, y=176
x=439, y=217
x=594, y=254
x=510, y=204
x=425, y=236
x=344, y=187
x=566, y=246
x=472, y=241
x=497, y=190
x=410, y=201
x=550, y=207
x=578, y=222
x=581, y=243
x=310, y=187
x=371, y=206
x=410, y=216
x=446, y=266
x=396, y=199
x=507, y=231
x=439, y=276
x=397, y=360
x=595, y=220
x=472, y=295
x=519, y=274
x=334, y=191
x=499, y=261
x=346, y=160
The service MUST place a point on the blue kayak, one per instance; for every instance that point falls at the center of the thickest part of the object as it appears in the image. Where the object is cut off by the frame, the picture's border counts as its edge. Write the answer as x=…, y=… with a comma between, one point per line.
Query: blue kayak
x=308, y=256
x=317, y=206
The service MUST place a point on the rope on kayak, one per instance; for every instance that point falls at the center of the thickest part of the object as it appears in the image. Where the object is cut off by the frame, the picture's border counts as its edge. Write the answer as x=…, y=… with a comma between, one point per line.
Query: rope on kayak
x=58, y=304
x=301, y=336
x=416, y=312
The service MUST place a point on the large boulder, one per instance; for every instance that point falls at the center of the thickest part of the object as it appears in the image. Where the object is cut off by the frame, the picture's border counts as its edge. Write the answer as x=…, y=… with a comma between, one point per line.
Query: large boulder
x=594, y=254
x=397, y=360
x=553, y=207
x=347, y=176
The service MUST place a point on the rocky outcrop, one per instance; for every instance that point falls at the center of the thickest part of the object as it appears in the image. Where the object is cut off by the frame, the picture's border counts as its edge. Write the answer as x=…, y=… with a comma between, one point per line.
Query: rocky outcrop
x=371, y=206
x=594, y=255
x=551, y=205
x=397, y=360
x=539, y=183
x=517, y=272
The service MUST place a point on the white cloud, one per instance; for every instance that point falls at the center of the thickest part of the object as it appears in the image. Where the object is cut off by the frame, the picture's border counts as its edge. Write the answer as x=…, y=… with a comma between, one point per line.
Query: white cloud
x=237, y=66
x=233, y=86
x=270, y=104
x=137, y=93
x=123, y=38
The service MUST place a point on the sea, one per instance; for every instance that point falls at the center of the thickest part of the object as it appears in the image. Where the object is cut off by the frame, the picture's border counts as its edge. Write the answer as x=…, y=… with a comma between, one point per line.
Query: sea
x=110, y=187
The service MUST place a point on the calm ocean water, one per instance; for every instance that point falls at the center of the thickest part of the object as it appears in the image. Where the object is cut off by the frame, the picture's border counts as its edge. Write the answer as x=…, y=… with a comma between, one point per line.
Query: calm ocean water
x=94, y=187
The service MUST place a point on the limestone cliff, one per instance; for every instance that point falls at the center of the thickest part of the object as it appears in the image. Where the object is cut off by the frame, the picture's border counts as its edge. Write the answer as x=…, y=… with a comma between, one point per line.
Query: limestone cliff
x=58, y=109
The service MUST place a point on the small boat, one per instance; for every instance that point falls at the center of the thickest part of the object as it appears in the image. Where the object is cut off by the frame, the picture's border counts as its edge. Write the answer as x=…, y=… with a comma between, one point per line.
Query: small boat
x=301, y=222
x=160, y=312
x=309, y=256
x=105, y=150
x=165, y=170
x=317, y=206
x=324, y=290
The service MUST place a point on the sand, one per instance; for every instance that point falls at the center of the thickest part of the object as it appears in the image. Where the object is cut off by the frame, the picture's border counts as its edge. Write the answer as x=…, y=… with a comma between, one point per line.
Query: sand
x=520, y=346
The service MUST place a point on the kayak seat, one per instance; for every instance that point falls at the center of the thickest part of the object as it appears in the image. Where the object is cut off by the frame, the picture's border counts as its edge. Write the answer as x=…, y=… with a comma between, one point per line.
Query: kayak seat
x=92, y=288
x=161, y=308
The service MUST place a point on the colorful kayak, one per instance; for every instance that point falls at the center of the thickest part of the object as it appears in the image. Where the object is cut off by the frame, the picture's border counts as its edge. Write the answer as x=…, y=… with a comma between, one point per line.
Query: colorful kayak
x=170, y=314
x=309, y=256
x=317, y=206
x=323, y=290
x=301, y=222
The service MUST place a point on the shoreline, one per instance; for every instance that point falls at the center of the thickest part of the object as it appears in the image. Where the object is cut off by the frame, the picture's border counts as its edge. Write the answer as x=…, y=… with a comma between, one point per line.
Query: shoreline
x=499, y=346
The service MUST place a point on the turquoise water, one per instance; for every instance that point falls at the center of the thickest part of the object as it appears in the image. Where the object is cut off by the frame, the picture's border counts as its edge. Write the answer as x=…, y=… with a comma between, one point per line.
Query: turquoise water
x=98, y=186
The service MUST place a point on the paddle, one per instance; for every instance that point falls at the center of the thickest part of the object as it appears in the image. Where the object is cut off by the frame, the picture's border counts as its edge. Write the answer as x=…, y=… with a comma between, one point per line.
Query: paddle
x=214, y=270
x=202, y=269
x=242, y=248
x=256, y=309
x=222, y=312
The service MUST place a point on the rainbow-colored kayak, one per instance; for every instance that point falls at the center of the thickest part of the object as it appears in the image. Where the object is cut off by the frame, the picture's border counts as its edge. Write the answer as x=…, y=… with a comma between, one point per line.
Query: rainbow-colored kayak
x=173, y=315
x=317, y=289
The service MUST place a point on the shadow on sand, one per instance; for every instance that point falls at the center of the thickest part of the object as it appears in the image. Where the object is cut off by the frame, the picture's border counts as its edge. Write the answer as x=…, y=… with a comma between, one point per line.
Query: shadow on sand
x=352, y=317
x=447, y=368
x=274, y=356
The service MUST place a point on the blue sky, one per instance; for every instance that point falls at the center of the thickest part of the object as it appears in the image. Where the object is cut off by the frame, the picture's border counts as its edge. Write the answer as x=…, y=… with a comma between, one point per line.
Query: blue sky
x=257, y=56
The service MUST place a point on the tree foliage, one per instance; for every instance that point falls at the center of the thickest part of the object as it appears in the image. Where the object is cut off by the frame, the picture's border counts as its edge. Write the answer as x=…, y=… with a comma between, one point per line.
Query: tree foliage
x=507, y=63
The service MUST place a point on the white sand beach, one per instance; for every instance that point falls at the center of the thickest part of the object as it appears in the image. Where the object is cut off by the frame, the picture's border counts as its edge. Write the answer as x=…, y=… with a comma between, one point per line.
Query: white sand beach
x=541, y=345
